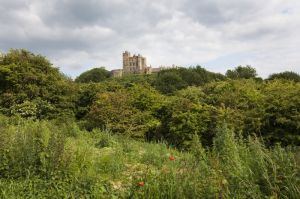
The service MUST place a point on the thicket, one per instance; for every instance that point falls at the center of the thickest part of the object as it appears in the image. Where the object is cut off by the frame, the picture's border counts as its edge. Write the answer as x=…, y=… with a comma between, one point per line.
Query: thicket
x=239, y=133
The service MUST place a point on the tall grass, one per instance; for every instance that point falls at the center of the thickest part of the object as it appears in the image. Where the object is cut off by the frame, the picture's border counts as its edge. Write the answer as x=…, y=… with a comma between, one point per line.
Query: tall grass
x=43, y=159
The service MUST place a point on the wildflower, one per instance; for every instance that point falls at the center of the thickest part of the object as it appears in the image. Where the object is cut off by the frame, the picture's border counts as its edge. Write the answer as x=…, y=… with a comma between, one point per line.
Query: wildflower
x=140, y=184
x=171, y=158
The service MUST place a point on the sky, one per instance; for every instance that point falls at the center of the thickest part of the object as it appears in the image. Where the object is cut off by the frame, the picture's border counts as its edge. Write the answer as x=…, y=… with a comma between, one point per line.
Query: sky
x=77, y=35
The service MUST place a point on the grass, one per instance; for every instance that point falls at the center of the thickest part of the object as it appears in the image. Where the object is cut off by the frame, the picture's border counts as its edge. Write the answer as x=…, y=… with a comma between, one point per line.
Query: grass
x=42, y=159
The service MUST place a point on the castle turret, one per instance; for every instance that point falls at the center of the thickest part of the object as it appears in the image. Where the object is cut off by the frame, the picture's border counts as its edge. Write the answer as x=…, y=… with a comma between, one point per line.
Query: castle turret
x=126, y=66
x=139, y=62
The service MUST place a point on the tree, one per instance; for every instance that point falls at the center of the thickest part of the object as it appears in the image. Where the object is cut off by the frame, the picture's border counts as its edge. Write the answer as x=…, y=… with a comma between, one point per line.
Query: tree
x=282, y=107
x=207, y=76
x=86, y=95
x=168, y=82
x=93, y=75
x=242, y=72
x=182, y=119
x=288, y=75
x=241, y=102
x=144, y=97
x=25, y=76
x=123, y=112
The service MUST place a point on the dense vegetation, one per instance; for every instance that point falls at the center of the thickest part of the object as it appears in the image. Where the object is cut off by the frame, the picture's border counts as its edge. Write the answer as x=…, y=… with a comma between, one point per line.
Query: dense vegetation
x=181, y=133
x=288, y=75
x=93, y=75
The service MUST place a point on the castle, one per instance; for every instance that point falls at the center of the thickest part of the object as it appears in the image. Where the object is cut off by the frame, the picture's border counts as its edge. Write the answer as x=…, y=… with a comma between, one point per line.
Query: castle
x=135, y=64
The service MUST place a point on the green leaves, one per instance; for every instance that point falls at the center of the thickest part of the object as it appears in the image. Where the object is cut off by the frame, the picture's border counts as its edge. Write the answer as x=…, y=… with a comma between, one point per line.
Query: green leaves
x=242, y=72
x=282, y=107
x=25, y=77
x=93, y=75
x=287, y=75
x=170, y=80
x=175, y=104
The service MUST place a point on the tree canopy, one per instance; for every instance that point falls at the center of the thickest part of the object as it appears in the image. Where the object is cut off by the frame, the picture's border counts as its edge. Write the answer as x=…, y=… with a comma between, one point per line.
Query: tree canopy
x=168, y=81
x=174, y=105
x=93, y=75
x=242, y=72
x=32, y=79
x=288, y=75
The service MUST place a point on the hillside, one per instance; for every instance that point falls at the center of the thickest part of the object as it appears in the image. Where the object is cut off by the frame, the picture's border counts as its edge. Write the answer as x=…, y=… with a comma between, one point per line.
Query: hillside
x=180, y=133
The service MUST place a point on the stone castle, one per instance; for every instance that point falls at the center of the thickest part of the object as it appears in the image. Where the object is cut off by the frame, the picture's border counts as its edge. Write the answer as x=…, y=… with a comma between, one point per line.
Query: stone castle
x=135, y=64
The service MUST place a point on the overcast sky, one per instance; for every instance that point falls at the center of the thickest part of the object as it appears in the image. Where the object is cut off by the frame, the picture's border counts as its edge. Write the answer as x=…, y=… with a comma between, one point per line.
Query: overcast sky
x=77, y=35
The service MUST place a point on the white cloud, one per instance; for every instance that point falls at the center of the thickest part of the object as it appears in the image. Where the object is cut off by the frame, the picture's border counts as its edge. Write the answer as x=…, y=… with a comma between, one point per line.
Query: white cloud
x=77, y=35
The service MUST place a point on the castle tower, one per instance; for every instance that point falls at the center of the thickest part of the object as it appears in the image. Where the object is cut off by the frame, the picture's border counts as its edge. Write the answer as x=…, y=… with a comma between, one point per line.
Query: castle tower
x=139, y=62
x=144, y=62
x=126, y=66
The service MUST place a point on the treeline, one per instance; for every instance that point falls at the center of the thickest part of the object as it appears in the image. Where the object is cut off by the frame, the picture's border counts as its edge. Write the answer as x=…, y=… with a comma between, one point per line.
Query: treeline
x=175, y=105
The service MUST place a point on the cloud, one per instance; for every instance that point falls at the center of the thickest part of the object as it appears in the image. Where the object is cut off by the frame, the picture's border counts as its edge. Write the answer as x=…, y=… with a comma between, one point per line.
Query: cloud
x=78, y=35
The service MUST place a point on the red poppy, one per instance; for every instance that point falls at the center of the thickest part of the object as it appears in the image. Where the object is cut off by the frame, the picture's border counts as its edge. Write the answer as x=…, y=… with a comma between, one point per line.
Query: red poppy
x=140, y=184
x=171, y=158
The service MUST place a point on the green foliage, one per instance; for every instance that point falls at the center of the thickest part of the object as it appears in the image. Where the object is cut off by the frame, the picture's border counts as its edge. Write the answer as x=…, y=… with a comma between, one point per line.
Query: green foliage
x=242, y=72
x=170, y=80
x=56, y=160
x=85, y=98
x=182, y=119
x=129, y=79
x=144, y=97
x=125, y=112
x=22, y=70
x=26, y=77
x=218, y=123
x=282, y=108
x=240, y=103
x=287, y=75
x=31, y=149
x=93, y=75
x=87, y=93
x=252, y=171
x=110, y=110
x=27, y=110
x=137, y=110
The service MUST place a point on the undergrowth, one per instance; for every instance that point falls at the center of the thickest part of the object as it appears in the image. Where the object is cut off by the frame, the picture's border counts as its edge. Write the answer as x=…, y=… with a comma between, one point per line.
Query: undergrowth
x=46, y=159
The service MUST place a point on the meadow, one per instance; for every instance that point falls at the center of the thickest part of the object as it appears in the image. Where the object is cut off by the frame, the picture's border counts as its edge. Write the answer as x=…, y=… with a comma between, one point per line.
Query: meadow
x=42, y=159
